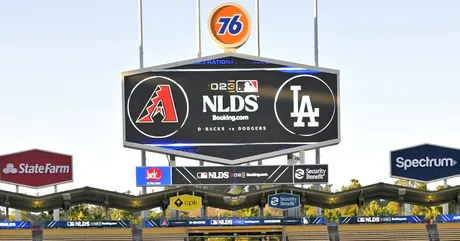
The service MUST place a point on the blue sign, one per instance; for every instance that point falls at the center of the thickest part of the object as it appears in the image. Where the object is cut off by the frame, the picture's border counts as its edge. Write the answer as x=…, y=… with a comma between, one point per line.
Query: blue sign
x=449, y=218
x=232, y=222
x=385, y=219
x=284, y=201
x=87, y=224
x=153, y=176
x=425, y=163
x=14, y=225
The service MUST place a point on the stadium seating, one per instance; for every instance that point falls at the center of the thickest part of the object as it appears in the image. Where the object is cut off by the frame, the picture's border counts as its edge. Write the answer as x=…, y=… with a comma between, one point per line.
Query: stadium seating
x=15, y=234
x=90, y=234
x=161, y=234
x=313, y=233
x=449, y=231
x=384, y=232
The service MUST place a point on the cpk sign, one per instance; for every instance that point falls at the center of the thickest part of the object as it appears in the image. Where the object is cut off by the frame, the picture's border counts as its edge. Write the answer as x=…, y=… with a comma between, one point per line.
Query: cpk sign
x=230, y=108
x=36, y=168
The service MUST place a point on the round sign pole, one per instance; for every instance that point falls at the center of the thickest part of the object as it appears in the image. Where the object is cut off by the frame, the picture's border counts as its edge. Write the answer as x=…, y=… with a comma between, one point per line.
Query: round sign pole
x=141, y=65
x=317, y=151
x=55, y=211
x=229, y=26
x=17, y=212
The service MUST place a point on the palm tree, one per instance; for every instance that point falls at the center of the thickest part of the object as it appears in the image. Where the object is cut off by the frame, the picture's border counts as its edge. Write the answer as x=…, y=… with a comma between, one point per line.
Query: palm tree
x=79, y=213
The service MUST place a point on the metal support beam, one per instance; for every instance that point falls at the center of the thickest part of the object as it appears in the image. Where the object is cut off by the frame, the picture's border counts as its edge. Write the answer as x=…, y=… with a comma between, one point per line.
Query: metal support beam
x=17, y=212
x=445, y=206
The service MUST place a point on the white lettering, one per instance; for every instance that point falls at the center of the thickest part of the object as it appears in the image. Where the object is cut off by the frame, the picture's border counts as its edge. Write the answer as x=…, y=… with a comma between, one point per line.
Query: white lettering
x=424, y=162
x=299, y=111
x=218, y=175
x=43, y=169
x=236, y=104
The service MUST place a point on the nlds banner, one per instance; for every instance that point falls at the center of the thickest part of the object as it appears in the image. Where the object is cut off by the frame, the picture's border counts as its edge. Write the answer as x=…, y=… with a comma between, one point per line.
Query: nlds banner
x=387, y=219
x=232, y=175
x=449, y=218
x=15, y=225
x=87, y=224
x=230, y=109
x=233, y=222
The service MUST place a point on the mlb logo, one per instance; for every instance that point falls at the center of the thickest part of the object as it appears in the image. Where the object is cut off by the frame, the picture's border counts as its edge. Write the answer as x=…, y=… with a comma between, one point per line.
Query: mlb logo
x=247, y=86
x=202, y=175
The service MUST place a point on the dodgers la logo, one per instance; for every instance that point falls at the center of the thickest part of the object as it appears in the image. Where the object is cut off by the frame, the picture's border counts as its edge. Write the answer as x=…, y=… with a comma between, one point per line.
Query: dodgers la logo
x=158, y=107
x=313, y=105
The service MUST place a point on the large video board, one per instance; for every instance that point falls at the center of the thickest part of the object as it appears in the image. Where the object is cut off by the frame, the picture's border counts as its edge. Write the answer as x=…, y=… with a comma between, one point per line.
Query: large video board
x=230, y=108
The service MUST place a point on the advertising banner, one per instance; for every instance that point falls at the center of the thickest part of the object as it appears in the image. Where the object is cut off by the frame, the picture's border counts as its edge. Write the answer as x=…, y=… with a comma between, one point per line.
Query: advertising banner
x=225, y=175
x=14, y=225
x=425, y=163
x=306, y=174
x=87, y=224
x=232, y=222
x=36, y=168
x=153, y=176
x=283, y=201
x=230, y=108
x=232, y=175
x=185, y=203
x=449, y=218
x=388, y=219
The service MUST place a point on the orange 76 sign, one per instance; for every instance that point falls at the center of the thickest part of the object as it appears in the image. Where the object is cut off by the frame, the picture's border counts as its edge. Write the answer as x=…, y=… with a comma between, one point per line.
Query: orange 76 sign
x=229, y=26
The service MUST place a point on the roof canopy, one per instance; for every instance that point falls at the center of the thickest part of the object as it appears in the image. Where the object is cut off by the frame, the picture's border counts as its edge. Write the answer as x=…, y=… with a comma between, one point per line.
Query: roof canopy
x=89, y=195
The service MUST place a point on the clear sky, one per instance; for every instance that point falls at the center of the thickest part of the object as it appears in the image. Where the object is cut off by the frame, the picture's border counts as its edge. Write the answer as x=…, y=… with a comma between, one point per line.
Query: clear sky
x=61, y=61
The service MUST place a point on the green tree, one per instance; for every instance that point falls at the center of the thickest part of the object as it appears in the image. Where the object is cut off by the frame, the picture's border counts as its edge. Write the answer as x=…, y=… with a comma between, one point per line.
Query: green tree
x=248, y=212
x=374, y=209
x=79, y=213
x=351, y=210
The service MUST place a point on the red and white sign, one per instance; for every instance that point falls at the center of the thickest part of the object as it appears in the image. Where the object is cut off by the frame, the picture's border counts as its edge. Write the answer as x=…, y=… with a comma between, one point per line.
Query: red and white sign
x=36, y=168
x=153, y=174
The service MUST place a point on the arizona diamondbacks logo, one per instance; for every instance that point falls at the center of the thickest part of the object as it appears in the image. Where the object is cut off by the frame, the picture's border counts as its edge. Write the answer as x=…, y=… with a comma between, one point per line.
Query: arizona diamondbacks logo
x=157, y=107
x=313, y=105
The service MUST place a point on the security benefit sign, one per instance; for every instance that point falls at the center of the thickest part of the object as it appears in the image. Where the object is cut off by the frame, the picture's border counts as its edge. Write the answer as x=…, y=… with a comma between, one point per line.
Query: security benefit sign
x=425, y=163
x=185, y=203
x=283, y=201
x=230, y=108
x=318, y=174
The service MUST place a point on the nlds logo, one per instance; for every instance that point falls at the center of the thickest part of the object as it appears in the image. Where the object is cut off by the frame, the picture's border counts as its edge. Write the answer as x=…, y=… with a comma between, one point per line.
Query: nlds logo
x=232, y=103
x=313, y=105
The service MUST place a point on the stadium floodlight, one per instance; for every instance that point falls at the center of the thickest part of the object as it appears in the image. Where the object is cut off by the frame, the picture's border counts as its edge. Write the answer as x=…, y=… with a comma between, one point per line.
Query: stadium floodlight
x=66, y=196
x=234, y=200
x=401, y=191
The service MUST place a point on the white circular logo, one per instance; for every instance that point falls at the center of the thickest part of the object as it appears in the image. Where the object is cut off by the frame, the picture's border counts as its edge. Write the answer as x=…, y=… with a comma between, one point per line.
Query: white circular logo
x=274, y=201
x=299, y=173
x=313, y=105
x=158, y=107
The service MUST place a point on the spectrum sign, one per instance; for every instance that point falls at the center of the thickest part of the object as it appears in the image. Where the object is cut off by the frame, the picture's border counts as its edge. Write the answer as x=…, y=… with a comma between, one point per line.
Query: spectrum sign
x=425, y=163
x=36, y=168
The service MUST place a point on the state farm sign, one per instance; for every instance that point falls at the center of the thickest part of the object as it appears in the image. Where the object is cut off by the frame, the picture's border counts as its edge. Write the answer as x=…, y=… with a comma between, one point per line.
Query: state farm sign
x=36, y=168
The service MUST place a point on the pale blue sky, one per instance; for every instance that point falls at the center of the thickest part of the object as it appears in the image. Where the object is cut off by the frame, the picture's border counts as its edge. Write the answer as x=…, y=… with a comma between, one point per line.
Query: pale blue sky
x=61, y=63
